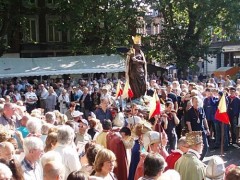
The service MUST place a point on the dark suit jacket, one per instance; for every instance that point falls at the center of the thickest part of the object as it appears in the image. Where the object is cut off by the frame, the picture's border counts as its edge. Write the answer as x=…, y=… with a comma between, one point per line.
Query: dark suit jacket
x=87, y=101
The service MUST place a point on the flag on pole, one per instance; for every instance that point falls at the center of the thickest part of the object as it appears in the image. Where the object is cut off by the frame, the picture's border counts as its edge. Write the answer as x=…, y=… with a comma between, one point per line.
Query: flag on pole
x=127, y=91
x=154, y=106
x=119, y=90
x=221, y=114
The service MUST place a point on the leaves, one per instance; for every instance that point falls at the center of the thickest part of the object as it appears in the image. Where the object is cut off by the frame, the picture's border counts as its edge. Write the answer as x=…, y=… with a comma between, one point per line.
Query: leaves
x=9, y=17
x=189, y=26
x=98, y=26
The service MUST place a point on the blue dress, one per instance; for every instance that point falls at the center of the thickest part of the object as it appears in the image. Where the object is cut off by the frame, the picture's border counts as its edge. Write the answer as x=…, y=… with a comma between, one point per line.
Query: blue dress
x=135, y=158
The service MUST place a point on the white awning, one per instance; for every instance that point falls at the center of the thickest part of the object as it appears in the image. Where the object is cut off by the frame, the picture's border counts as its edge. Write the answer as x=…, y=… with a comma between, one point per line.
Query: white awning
x=20, y=67
x=232, y=48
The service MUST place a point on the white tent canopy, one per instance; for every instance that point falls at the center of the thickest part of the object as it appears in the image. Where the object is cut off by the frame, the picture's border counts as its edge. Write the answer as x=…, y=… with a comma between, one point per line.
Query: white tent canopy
x=20, y=67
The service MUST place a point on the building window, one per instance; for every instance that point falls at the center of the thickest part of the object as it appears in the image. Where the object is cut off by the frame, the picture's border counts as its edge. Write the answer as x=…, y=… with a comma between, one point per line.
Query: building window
x=54, y=35
x=31, y=30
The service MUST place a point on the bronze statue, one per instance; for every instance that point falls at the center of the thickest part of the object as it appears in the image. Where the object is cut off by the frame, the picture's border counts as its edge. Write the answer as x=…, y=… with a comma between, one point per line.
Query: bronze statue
x=136, y=69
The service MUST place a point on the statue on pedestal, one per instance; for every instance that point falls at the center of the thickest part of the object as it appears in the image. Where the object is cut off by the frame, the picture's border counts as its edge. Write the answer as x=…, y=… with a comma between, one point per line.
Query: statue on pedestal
x=136, y=69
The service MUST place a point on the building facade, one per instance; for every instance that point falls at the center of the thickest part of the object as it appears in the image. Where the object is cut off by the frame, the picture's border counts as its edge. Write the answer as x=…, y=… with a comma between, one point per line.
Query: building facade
x=37, y=35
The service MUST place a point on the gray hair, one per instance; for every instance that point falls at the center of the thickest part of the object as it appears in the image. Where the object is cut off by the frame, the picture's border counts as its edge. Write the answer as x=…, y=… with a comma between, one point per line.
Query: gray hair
x=31, y=143
x=5, y=171
x=182, y=142
x=34, y=125
x=51, y=156
x=45, y=128
x=50, y=117
x=65, y=134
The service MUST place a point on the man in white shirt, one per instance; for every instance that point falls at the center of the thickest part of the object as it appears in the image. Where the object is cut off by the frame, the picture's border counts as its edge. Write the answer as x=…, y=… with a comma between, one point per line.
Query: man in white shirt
x=43, y=96
x=65, y=148
x=64, y=101
x=82, y=135
x=33, y=149
x=31, y=99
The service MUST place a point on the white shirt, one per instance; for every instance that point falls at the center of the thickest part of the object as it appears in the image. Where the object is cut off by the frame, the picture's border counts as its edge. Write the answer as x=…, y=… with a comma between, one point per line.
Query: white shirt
x=31, y=96
x=31, y=173
x=62, y=99
x=191, y=151
x=18, y=96
x=44, y=93
x=70, y=158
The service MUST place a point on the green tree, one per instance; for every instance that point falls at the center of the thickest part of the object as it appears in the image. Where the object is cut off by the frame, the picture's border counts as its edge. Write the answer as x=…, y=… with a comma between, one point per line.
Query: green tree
x=188, y=26
x=98, y=26
x=8, y=18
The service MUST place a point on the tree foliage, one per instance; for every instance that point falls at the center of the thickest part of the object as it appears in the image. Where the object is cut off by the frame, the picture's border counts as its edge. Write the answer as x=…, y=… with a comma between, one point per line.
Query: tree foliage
x=98, y=26
x=188, y=26
x=9, y=14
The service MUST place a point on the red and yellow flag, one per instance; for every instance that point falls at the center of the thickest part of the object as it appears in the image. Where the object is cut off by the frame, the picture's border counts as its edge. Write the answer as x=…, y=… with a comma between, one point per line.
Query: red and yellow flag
x=221, y=114
x=119, y=90
x=127, y=91
x=155, y=106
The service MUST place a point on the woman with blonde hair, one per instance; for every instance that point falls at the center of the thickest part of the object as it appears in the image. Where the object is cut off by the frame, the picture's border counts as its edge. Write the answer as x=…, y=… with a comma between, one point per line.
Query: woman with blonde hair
x=104, y=164
x=60, y=118
x=50, y=142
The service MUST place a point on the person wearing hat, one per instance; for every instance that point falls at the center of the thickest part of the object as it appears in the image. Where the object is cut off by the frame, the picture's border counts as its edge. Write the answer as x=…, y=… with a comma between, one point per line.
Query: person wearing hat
x=215, y=169
x=77, y=116
x=189, y=166
x=136, y=69
x=233, y=110
x=82, y=135
x=156, y=145
x=92, y=131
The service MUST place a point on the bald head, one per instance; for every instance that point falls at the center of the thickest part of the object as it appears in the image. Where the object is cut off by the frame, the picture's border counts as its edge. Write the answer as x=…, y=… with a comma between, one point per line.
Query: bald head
x=182, y=144
x=53, y=171
x=7, y=151
x=8, y=110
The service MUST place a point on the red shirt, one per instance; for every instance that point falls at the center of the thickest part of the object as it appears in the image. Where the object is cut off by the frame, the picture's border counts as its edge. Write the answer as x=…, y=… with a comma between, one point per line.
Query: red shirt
x=172, y=159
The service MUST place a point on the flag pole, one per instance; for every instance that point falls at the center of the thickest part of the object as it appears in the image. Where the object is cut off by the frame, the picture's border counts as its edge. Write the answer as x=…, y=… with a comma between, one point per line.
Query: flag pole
x=222, y=137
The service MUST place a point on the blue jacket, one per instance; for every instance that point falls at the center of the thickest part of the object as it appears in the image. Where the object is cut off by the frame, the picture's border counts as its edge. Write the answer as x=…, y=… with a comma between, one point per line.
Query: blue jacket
x=210, y=107
x=233, y=107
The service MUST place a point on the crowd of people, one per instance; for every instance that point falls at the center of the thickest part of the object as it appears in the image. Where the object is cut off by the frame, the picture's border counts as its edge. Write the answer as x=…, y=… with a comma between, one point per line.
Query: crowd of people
x=79, y=130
